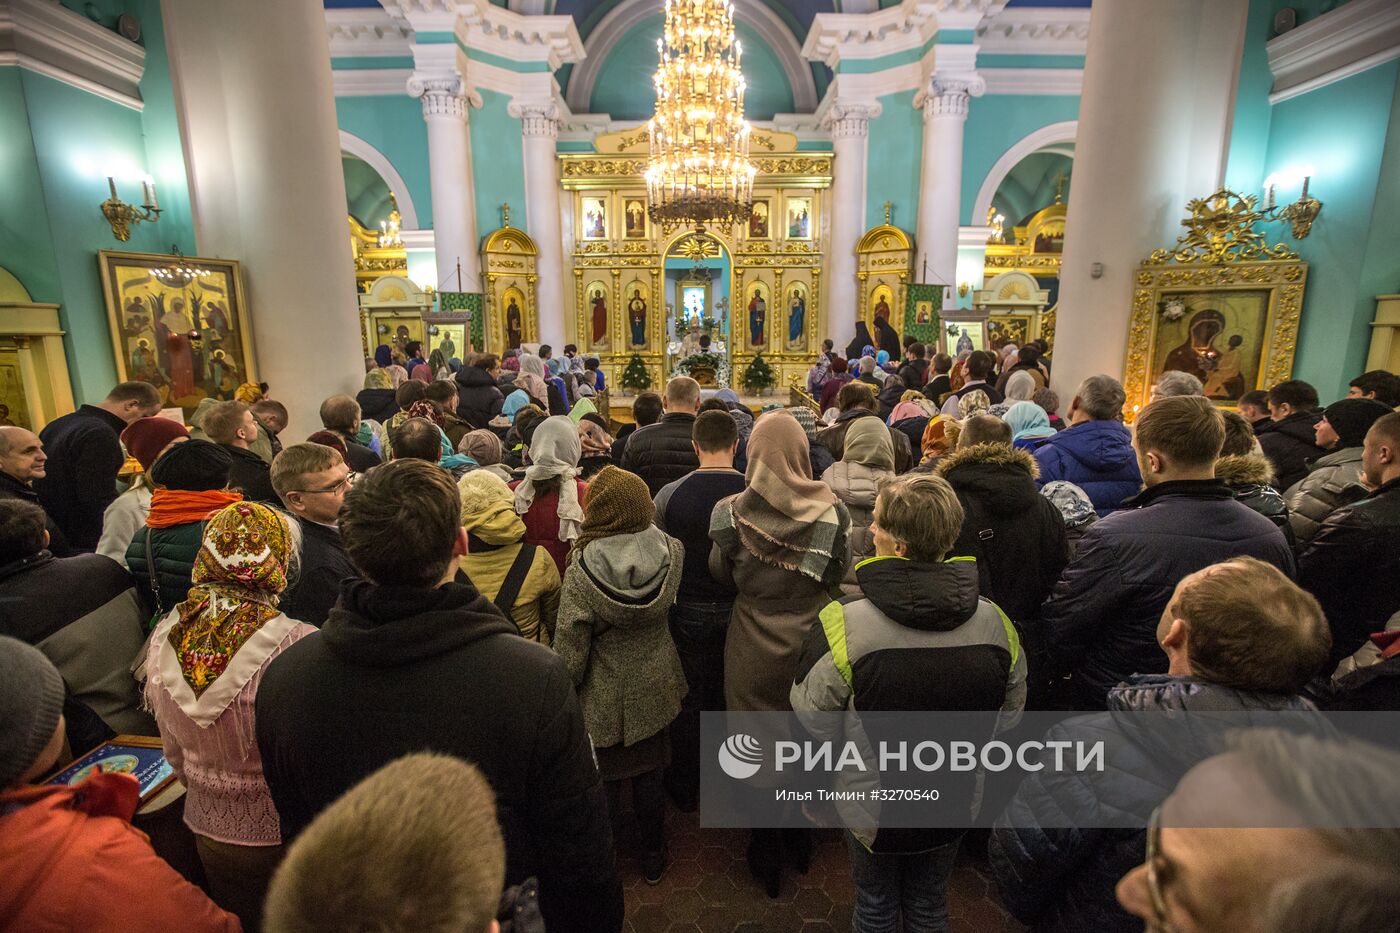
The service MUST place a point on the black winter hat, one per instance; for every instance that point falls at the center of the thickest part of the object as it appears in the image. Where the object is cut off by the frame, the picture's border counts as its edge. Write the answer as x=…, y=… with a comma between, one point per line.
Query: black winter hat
x=1351, y=418
x=194, y=466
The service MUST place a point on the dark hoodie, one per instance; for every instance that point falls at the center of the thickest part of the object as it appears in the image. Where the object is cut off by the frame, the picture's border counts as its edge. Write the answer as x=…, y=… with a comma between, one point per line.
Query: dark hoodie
x=377, y=404
x=1055, y=850
x=1096, y=456
x=917, y=637
x=396, y=670
x=1016, y=534
x=1290, y=444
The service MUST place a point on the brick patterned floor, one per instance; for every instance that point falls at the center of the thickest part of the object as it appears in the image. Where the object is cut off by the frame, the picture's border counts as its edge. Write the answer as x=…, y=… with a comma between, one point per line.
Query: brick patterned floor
x=708, y=889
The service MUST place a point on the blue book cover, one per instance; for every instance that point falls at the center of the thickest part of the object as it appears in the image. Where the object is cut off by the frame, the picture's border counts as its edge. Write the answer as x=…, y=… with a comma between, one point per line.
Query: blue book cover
x=146, y=764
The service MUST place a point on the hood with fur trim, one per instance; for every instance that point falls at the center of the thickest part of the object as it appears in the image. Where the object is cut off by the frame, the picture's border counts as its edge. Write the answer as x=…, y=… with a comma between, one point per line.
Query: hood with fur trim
x=1002, y=478
x=1245, y=470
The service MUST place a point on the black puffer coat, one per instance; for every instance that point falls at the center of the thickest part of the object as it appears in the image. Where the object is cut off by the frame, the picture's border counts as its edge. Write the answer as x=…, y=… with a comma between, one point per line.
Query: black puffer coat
x=478, y=397
x=377, y=404
x=660, y=453
x=1101, y=620
x=1054, y=851
x=1250, y=478
x=1290, y=444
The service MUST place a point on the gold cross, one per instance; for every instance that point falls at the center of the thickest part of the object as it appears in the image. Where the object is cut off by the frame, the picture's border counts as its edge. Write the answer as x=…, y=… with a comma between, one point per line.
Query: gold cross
x=1060, y=180
x=888, y=207
x=505, y=214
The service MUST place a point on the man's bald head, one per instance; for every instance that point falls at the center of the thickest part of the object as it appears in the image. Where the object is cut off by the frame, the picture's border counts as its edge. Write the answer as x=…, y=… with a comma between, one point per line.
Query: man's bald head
x=21, y=454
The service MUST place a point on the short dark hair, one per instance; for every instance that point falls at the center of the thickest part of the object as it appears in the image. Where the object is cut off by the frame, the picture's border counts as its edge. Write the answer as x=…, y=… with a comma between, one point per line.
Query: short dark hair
x=487, y=361
x=400, y=521
x=591, y=363
x=1388, y=427
x=1385, y=385
x=340, y=413
x=1258, y=398
x=546, y=351
x=22, y=527
x=412, y=390
x=270, y=408
x=980, y=364
x=1188, y=429
x=1239, y=435
x=984, y=429
x=918, y=350
x=855, y=395
x=417, y=437
x=907, y=341
x=827, y=345
x=714, y=431
x=442, y=391
x=646, y=409
x=133, y=391
x=413, y=348
x=1295, y=392
x=1028, y=354
x=594, y=418
x=714, y=404
x=570, y=348
x=942, y=363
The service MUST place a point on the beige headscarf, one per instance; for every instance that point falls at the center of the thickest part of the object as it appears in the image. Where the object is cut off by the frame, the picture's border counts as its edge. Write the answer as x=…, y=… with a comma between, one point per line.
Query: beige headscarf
x=868, y=443
x=488, y=508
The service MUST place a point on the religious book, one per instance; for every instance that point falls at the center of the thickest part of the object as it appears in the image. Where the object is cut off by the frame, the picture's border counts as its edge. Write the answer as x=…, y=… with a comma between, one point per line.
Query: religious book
x=140, y=756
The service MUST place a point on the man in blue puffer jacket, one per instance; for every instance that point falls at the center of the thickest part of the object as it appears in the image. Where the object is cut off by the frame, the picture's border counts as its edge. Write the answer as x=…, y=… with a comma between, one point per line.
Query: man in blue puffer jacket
x=1096, y=452
x=1066, y=838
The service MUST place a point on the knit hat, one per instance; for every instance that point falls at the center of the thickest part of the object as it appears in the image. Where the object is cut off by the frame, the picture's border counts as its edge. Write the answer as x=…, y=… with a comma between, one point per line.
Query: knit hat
x=1074, y=503
x=31, y=701
x=1351, y=418
x=194, y=465
x=327, y=439
x=481, y=445
x=488, y=508
x=617, y=503
x=145, y=438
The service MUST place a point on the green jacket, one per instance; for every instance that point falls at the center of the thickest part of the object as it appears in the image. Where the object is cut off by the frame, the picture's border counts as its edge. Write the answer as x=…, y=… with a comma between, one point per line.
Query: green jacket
x=173, y=550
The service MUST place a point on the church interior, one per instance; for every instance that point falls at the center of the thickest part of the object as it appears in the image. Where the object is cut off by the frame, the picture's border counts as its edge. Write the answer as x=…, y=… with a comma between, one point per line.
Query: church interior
x=203, y=194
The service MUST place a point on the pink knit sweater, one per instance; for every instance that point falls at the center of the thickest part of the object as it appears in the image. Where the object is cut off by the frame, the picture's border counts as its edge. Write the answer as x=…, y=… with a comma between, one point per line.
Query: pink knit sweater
x=210, y=741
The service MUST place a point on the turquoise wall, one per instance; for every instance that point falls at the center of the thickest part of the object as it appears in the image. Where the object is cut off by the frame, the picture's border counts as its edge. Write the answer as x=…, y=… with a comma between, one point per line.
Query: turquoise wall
x=1030, y=186
x=498, y=164
x=60, y=145
x=366, y=194
x=394, y=126
x=996, y=122
x=893, y=153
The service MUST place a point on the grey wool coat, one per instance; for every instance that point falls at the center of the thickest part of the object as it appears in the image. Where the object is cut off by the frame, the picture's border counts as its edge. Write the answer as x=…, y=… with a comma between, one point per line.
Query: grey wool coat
x=612, y=634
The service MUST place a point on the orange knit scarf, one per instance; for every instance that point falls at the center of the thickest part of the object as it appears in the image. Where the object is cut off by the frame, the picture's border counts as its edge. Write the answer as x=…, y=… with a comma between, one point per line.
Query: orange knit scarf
x=182, y=506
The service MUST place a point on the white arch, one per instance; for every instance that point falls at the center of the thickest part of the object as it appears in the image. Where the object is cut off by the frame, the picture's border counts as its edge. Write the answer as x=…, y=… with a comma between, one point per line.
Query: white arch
x=752, y=13
x=1064, y=132
x=376, y=160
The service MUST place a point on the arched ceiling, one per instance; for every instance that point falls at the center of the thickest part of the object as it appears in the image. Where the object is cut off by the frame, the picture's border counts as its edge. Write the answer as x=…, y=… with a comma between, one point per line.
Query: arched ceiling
x=1030, y=186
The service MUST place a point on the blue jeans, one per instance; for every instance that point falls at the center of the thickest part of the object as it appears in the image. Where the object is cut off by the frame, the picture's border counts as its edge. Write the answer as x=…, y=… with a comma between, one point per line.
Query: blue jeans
x=698, y=630
x=888, y=885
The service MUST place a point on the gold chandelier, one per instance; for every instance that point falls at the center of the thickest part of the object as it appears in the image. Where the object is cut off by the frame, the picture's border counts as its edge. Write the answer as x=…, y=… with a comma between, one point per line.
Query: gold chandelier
x=699, y=171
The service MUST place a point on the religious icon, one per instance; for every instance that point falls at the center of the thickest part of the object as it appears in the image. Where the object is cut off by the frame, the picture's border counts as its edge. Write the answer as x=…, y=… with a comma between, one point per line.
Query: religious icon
x=598, y=319
x=1191, y=325
x=758, y=221
x=143, y=361
x=636, y=216
x=799, y=218
x=595, y=219
x=923, y=312
x=448, y=346
x=797, y=317
x=637, y=318
x=758, y=316
x=882, y=309
x=515, y=326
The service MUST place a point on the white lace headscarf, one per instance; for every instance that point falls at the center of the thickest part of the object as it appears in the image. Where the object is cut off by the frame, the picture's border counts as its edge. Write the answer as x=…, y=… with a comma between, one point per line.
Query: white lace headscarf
x=554, y=451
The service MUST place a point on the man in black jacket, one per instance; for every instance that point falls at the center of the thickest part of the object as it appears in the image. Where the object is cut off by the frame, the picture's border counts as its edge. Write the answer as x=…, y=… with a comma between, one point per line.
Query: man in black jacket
x=22, y=461
x=85, y=454
x=940, y=384
x=479, y=399
x=311, y=480
x=412, y=661
x=914, y=372
x=662, y=453
x=646, y=409
x=1101, y=619
x=1289, y=437
x=1352, y=565
x=231, y=426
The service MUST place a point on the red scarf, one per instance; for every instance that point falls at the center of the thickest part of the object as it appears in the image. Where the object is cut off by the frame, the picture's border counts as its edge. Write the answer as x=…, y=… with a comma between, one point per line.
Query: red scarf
x=182, y=506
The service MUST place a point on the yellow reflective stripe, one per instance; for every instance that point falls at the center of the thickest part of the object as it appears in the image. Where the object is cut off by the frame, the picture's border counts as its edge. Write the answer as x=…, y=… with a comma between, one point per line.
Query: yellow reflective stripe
x=871, y=560
x=1012, y=639
x=952, y=560
x=833, y=619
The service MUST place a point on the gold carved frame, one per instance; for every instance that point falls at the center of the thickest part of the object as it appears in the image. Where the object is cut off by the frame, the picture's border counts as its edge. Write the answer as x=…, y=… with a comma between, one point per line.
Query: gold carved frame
x=1221, y=251
x=509, y=261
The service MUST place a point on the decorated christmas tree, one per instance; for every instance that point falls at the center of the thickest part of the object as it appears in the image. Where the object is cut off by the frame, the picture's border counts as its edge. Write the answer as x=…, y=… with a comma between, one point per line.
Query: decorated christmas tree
x=758, y=375
x=635, y=376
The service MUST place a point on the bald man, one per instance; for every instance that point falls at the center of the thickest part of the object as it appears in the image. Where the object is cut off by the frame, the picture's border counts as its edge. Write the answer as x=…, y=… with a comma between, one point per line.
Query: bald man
x=22, y=460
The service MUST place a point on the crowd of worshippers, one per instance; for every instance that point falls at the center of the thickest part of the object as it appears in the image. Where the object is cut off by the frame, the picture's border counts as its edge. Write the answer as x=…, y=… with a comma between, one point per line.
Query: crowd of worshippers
x=414, y=671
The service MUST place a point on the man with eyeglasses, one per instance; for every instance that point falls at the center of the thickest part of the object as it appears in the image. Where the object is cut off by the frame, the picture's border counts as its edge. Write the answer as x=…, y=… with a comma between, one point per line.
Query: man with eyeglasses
x=311, y=480
x=1280, y=833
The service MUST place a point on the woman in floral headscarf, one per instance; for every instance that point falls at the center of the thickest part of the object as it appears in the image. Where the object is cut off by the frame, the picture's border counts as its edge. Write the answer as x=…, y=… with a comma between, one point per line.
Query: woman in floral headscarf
x=206, y=660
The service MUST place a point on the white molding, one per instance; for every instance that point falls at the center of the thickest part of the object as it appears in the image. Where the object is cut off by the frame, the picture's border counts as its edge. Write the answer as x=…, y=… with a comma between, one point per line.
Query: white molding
x=370, y=82
x=52, y=40
x=504, y=32
x=1035, y=31
x=1336, y=45
x=367, y=33
x=837, y=37
x=973, y=237
x=1065, y=82
x=752, y=13
x=1063, y=132
x=378, y=161
x=417, y=239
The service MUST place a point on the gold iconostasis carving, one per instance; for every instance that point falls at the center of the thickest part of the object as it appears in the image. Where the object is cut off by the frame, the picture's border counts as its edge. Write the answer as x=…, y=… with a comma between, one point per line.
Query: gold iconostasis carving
x=751, y=288
x=508, y=276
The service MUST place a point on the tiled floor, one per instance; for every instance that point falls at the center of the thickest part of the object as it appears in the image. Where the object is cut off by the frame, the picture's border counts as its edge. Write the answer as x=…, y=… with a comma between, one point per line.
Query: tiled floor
x=708, y=889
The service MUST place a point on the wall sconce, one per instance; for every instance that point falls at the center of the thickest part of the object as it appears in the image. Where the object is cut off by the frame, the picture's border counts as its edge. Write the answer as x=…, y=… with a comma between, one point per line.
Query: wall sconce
x=1302, y=212
x=963, y=289
x=123, y=216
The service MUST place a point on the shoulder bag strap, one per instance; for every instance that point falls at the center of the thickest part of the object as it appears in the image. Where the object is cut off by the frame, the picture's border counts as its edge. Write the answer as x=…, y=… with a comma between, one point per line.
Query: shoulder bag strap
x=151, y=573
x=515, y=579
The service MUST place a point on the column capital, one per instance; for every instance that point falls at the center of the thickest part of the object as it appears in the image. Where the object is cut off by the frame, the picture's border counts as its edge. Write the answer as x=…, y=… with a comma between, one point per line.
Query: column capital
x=850, y=119
x=537, y=119
x=443, y=95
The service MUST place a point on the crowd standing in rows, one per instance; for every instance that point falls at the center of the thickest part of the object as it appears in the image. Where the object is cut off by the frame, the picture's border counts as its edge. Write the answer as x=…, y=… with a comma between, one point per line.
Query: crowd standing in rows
x=466, y=562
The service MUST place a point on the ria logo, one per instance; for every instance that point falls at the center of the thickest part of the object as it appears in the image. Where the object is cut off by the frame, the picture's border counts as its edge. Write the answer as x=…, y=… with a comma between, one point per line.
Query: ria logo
x=741, y=756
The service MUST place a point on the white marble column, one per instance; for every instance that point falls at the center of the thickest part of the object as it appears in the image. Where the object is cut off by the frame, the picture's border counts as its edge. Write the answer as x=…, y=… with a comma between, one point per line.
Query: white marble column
x=262, y=150
x=849, y=124
x=1154, y=130
x=540, y=127
x=450, y=174
x=940, y=183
